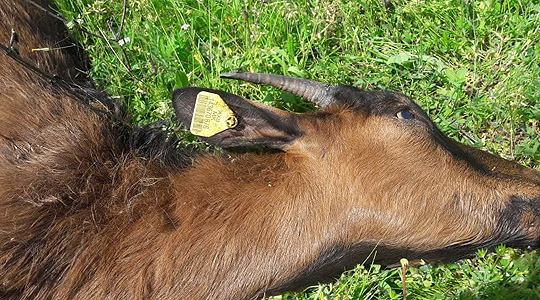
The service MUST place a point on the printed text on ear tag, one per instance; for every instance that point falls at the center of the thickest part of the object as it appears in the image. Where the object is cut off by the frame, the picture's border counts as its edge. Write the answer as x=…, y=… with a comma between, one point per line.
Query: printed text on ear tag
x=211, y=115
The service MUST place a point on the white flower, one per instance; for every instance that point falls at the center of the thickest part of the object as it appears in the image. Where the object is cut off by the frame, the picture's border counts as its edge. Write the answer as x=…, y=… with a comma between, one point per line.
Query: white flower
x=124, y=41
x=185, y=27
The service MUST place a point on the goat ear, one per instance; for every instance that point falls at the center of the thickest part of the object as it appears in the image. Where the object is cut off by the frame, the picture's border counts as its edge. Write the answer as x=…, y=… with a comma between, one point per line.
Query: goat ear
x=258, y=124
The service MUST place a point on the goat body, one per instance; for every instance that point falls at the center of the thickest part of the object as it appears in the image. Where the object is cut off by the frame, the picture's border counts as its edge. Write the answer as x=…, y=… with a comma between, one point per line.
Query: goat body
x=92, y=208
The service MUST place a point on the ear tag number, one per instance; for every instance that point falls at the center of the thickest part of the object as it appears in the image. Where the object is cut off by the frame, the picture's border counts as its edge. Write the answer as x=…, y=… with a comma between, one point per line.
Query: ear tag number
x=211, y=115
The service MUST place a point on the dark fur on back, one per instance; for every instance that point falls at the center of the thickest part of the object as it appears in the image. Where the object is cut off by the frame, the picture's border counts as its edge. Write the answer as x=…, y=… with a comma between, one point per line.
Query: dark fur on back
x=66, y=169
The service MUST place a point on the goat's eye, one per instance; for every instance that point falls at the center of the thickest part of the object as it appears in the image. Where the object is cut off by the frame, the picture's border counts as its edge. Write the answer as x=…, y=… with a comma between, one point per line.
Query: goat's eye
x=404, y=114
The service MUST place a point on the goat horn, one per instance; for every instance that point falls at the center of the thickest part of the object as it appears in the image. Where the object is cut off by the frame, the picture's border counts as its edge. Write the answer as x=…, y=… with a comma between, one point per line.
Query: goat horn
x=313, y=91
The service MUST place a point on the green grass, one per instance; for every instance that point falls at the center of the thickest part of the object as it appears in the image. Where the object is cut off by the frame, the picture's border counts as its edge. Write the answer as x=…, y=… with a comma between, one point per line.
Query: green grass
x=504, y=274
x=472, y=65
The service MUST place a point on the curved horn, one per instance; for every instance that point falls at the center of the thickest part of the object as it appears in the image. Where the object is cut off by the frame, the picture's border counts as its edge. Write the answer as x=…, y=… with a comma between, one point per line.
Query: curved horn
x=313, y=91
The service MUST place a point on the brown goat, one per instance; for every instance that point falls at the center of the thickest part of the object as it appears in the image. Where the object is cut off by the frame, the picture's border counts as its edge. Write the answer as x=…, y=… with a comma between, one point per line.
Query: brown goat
x=91, y=208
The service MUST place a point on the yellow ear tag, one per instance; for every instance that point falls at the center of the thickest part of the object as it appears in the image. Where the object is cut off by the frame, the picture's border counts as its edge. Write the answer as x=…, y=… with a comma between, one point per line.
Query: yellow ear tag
x=211, y=115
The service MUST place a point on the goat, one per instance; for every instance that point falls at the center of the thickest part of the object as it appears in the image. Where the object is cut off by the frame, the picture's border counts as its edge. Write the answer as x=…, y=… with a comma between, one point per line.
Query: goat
x=92, y=208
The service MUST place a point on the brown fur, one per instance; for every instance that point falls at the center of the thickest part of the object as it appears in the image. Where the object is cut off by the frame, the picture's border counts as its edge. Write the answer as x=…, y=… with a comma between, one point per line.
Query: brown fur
x=85, y=214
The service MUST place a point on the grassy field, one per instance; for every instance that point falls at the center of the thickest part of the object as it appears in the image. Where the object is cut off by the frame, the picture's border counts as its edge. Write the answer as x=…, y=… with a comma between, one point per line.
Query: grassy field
x=472, y=65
